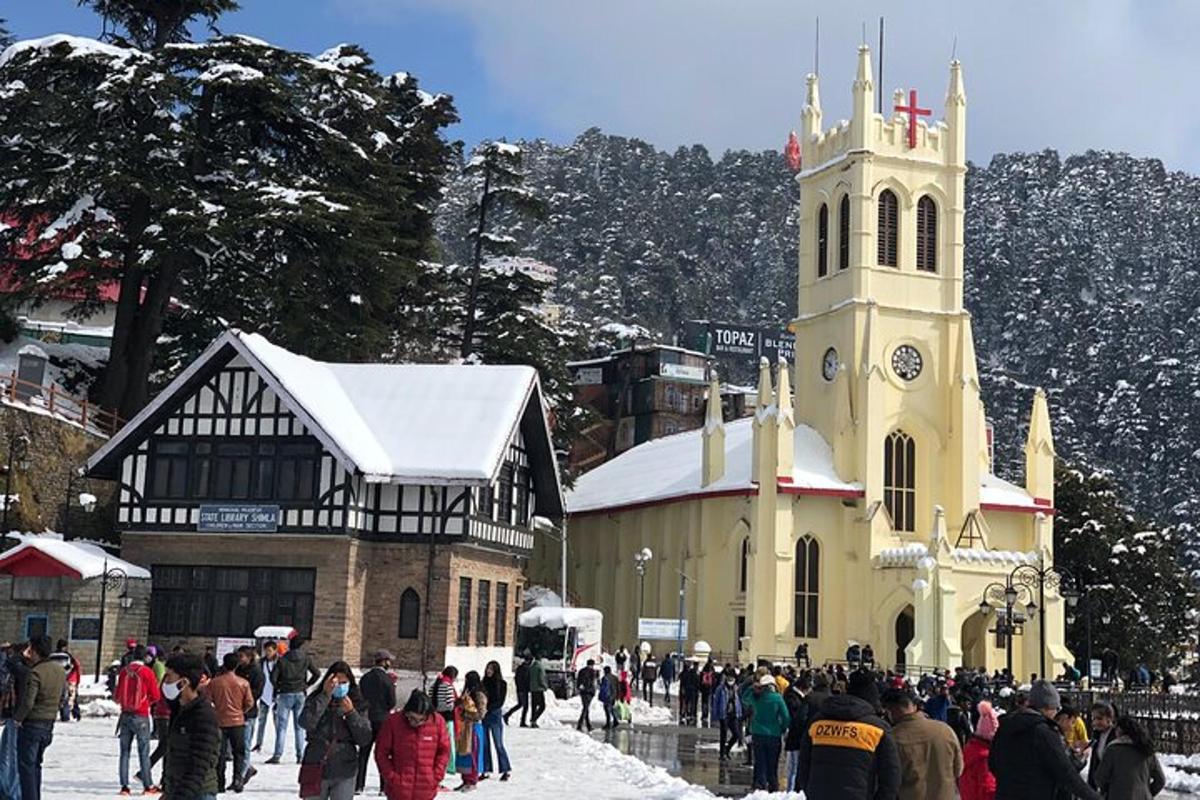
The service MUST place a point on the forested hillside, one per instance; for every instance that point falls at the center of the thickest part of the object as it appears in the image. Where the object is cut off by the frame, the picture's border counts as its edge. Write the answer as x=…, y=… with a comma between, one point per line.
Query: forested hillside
x=1082, y=277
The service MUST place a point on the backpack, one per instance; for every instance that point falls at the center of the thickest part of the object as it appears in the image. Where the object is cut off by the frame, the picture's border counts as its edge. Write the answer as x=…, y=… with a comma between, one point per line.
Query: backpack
x=132, y=693
x=708, y=678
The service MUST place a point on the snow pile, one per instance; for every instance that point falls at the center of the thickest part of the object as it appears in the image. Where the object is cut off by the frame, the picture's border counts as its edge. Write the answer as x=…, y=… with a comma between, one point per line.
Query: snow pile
x=535, y=596
x=653, y=783
x=567, y=711
x=557, y=616
x=906, y=556
x=99, y=708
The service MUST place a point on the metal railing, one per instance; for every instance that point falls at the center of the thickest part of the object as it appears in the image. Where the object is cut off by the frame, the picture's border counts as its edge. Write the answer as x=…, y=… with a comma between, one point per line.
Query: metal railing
x=57, y=402
x=1171, y=720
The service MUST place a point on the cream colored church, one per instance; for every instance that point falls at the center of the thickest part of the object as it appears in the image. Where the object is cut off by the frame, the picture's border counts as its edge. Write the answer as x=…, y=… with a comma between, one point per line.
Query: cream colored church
x=860, y=507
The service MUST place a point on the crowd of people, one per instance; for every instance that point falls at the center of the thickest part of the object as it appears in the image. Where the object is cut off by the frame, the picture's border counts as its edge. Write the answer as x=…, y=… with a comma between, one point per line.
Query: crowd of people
x=843, y=731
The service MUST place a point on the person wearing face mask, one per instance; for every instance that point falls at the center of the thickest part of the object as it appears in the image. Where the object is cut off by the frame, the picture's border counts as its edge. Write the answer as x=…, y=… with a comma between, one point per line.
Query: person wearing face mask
x=194, y=740
x=412, y=751
x=336, y=724
x=727, y=711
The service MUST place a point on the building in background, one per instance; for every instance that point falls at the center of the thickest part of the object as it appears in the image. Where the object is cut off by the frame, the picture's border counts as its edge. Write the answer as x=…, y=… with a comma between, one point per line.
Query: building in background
x=640, y=393
x=366, y=505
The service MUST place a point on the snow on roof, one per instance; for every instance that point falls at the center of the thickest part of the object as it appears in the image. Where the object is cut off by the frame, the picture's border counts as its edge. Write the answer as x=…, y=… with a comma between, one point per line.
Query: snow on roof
x=557, y=616
x=667, y=468
x=85, y=558
x=407, y=422
x=997, y=491
x=978, y=555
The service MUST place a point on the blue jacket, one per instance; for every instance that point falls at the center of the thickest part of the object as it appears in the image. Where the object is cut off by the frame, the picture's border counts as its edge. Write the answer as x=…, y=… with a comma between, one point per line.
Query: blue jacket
x=937, y=707
x=720, y=699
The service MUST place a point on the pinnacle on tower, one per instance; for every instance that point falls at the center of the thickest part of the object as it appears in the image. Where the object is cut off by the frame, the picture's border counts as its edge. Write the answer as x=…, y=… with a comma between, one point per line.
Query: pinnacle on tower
x=956, y=115
x=786, y=424
x=713, y=467
x=864, y=100
x=1039, y=451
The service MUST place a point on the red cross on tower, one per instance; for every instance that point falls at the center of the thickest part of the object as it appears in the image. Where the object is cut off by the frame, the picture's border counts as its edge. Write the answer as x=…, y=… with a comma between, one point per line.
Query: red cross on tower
x=913, y=112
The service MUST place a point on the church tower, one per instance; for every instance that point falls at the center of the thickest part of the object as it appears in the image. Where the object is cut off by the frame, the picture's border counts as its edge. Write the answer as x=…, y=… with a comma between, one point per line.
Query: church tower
x=885, y=360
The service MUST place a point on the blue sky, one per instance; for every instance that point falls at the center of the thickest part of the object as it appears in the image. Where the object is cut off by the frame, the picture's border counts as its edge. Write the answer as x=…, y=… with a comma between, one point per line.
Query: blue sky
x=1071, y=74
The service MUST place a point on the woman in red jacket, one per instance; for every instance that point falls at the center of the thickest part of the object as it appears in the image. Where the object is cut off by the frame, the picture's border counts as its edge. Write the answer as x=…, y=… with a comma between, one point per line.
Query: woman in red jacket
x=977, y=781
x=412, y=751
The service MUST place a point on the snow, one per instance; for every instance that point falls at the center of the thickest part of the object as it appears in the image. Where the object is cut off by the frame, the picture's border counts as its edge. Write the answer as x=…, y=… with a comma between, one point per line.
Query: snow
x=34, y=350
x=80, y=47
x=997, y=491
x=399, y=423
x=667, y=468
x=549, y=763
x=506, y=148
x=540, y=596
x=86, y=559
x=557, y=616
x=230, y=73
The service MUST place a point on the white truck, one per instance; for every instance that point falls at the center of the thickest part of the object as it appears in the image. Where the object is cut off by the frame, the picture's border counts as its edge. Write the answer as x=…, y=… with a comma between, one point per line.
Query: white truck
x=564, y=638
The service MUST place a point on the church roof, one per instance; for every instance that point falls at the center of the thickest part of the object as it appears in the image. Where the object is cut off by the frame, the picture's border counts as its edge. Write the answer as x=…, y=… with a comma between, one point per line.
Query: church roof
x=669, y=469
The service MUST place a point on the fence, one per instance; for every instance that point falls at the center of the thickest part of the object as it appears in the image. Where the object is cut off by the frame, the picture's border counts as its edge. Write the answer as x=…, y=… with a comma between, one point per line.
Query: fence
x=57, y=402
x=1171, y=720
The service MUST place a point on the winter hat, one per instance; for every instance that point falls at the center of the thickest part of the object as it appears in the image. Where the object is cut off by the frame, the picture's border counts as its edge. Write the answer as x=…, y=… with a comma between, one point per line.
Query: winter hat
x=766, y=680
x=988, y=722
x=1043, y=695
x=862, y=685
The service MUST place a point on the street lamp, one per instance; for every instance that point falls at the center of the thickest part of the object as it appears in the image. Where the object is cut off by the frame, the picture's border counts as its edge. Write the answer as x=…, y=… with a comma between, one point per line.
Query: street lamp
x=1092, y=600
x=110, y=580
x=640, y=559
x=18, y=457
x=87, y=501
x=1041, y=576
x=1006, y=595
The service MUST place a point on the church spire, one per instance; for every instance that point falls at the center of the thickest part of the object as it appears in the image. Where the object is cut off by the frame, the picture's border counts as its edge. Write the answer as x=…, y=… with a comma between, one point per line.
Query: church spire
x=956, y=116
x=810, y=119
x=713, y=467
x=864, y=101
x=785, y=424
x=1039, y=451
x=765, y=429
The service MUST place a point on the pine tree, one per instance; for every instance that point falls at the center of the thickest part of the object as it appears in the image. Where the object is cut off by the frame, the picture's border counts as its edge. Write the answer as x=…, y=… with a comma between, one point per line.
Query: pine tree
x=150, y=24
x=495, y=170
x=232, y=181
x=1131, y=569
x=5, y=37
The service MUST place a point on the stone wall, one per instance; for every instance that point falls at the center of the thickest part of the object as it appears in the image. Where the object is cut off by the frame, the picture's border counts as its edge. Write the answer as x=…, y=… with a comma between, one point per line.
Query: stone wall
x=56, y=448
x=126, y=616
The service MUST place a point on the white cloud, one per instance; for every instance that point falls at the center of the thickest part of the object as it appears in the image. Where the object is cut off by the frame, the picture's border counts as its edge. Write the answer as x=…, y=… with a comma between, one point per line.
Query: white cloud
x=1069, y=74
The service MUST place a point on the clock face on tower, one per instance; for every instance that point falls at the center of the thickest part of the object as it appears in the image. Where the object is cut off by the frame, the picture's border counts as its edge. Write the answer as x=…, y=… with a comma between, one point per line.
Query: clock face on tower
x=906, y=362
x=830, y=364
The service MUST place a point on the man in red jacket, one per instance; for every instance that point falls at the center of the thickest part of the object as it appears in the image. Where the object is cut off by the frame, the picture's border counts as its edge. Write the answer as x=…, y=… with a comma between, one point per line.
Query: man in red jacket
x=412, y=751
x=137, y=690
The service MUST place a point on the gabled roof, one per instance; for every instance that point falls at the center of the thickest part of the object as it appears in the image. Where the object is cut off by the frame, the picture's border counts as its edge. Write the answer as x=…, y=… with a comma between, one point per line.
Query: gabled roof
x=46, y=555
x=392, y=423
x=669, y=469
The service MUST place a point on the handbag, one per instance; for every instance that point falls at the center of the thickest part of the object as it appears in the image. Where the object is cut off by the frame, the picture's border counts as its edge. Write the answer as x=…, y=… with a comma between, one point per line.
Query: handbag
x=311, y=774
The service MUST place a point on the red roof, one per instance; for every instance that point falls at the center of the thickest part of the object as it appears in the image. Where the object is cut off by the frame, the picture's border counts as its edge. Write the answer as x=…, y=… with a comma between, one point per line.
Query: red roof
x=65, y=287
x=34, y=563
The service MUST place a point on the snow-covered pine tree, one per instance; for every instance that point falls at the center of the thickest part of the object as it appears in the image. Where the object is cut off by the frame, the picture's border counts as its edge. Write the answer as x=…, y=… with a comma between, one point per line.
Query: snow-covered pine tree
x=498, y=183
x=1133, y=572
x=150, y=24
x=231, y=180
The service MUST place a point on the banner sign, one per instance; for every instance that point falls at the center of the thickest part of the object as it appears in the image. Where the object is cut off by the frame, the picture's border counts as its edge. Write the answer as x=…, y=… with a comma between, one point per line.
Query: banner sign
x=589, y=376
x=1096, y=668
x=228, y=644
x=651, y=628
x=683, y=372
x=726, y=339
x=238, y=519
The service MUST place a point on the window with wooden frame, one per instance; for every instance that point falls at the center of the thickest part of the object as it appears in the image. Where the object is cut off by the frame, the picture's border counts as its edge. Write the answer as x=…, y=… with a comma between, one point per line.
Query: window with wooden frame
x=822, y=241
x=844, y=232
x=888, y=231
x=501, y=629
x=410, y=614
x=900, y=480
x=483, y=613
x=806, y=612
x=745, y=567
x=463, y=637
x=927, y=234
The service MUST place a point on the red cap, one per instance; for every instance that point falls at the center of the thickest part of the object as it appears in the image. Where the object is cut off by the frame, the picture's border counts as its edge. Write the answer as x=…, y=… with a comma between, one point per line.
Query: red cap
x=131, y=642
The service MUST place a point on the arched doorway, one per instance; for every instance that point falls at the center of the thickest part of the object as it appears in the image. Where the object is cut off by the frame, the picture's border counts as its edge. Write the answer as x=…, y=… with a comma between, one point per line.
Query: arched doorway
x=974, y=641
x=904, y=632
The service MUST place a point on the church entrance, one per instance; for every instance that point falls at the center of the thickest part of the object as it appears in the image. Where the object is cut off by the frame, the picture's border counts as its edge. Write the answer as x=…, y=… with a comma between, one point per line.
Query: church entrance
x=974, y=641
x=904, y=635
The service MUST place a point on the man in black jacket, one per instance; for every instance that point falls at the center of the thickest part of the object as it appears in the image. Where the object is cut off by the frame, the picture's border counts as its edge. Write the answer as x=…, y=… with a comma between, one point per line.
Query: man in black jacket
x=378, y=687
x=585, y=684
x=848, y=752
x=521, y=679
x=797, y=705
x=1029, y=756
x=1103, y=717
x=293, y=673
x=194, y=740
x=249, y=670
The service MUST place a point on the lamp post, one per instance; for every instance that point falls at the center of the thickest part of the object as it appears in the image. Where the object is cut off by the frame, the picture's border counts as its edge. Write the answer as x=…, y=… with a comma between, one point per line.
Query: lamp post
x=18, y=457
x=1041, y=576
x=640, y=559
x=683, y=579
x=1005, y=594
x=110, y=579
x=1091, y=599
x=87, y=501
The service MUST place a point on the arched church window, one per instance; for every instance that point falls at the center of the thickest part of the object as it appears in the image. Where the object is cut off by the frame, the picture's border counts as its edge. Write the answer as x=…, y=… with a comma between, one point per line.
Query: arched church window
x=900, y=480
x=410, y=614
x=806, y=614
x=742, y=574
x=844, y=232
x=822, y=241
x=888, y=229
x=927, y=234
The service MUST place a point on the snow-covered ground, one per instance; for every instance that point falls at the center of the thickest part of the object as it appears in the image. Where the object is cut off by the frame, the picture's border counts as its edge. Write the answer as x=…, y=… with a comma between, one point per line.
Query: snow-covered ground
x=550, y=762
